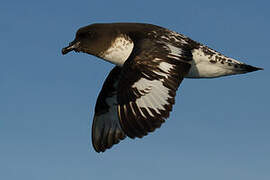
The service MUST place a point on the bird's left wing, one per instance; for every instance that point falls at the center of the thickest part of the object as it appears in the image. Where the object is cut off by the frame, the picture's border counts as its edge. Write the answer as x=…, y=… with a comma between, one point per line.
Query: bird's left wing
x=106, y=129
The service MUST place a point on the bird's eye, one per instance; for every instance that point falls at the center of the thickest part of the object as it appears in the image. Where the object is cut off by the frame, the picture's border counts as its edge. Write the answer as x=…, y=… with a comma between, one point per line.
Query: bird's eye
x=83, y=35
x=91, y=34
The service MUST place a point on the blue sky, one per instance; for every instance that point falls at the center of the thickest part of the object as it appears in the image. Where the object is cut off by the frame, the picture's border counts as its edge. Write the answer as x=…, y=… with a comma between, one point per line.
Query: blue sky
x=219, y=128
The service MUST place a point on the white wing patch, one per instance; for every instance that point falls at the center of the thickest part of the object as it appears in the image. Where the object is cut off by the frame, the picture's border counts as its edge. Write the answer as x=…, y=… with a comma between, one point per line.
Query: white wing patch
x=119, y=50
x=166, y=67
x=175, y=51
x=155, y=95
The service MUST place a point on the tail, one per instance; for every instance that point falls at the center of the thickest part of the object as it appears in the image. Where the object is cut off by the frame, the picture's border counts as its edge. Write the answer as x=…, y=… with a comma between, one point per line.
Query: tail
x=243, y=68
x=208, y=63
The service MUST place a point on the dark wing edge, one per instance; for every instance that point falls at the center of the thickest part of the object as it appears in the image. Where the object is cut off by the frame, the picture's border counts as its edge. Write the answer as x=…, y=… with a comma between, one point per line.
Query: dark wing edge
x=106, y=129
x=147, y=88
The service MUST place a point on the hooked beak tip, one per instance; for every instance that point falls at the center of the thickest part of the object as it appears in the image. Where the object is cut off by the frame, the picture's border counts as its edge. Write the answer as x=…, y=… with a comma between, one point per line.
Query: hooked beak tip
x=69, y=48
x=66, y=50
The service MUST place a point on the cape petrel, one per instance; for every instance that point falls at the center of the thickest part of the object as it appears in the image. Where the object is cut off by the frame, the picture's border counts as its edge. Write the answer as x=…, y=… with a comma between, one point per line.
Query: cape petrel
x=151, y=62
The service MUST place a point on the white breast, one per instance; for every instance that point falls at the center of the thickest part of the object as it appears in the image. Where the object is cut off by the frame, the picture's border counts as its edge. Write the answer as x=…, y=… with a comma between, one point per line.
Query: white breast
x=119, y=51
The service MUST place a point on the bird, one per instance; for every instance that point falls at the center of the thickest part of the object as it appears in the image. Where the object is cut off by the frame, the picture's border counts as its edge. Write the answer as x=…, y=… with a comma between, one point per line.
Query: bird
x=150, y=63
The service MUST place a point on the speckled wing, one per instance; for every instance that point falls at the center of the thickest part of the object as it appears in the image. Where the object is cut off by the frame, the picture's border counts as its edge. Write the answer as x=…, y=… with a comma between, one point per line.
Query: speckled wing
x=148, y=85
x=106, y=129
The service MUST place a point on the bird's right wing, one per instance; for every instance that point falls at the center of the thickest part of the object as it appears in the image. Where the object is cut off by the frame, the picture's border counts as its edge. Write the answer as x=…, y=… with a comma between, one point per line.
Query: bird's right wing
x=136, y=98
x=148, y=85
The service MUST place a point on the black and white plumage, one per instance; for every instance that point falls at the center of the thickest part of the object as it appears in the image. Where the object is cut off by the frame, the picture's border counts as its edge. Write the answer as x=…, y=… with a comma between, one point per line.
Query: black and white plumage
x=151, y=62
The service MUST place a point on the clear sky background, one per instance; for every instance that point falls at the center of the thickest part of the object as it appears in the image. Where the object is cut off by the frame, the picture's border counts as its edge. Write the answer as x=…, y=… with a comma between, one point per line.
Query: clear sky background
x=219, y=128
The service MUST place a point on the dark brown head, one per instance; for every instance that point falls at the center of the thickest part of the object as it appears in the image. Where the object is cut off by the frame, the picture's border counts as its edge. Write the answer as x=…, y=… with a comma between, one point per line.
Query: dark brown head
x=97, y=38
x=92, y=39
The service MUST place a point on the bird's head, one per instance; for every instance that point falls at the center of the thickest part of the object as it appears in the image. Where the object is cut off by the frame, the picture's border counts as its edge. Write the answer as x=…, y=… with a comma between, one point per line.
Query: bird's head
x=92, y=39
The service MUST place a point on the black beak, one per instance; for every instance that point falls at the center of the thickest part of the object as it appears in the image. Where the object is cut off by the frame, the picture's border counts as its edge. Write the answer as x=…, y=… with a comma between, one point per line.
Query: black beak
x=72, y=46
